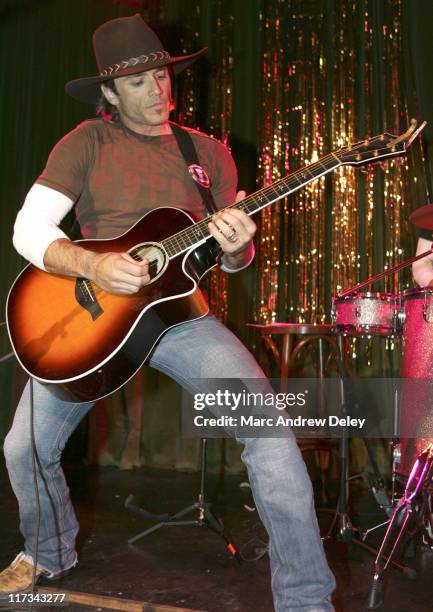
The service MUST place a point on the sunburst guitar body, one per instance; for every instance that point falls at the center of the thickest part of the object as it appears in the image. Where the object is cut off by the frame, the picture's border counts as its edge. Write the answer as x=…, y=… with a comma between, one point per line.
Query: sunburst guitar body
x=84, y=342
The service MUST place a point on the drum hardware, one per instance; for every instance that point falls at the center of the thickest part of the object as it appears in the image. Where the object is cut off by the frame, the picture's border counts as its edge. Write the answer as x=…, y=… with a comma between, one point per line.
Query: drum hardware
x=396, y=462
x=411, y=511
x=363, y=321
x=427, y=310
x=396, y=459
x=341, y=526
x=362, y=315
x=414, y=508
x=395, y=446
x=401, y=317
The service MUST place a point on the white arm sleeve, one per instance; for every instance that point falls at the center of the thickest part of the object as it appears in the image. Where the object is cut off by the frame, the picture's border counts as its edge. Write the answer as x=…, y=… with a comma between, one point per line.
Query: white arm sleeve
x=37, y=223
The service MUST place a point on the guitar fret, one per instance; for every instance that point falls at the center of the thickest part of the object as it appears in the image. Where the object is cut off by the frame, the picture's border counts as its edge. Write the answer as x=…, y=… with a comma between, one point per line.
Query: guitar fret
x=188, y=237
x=299, y=178
x=274, y=189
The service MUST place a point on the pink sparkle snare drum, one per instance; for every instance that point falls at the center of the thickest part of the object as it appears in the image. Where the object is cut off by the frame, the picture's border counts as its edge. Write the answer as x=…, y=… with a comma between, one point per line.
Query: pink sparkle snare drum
x=416, y=413
x=367, y=314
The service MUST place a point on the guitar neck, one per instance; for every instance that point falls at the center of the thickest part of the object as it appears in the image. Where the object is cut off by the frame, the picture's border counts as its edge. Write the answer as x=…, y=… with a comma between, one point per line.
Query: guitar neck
x=196, y=234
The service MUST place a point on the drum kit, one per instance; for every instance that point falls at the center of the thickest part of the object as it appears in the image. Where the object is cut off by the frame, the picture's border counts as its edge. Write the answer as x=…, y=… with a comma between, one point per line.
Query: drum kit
x=410, y=316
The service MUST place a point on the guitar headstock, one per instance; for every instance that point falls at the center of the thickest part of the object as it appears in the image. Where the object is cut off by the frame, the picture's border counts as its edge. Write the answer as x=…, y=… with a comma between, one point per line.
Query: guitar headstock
x=372, y=150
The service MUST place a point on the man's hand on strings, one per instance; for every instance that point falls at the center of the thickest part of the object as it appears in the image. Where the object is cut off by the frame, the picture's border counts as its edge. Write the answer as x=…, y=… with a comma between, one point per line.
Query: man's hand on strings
x=233, y=229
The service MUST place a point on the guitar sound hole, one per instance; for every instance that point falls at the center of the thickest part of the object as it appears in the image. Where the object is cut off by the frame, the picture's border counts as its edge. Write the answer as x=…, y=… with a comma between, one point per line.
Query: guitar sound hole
x=154, y=254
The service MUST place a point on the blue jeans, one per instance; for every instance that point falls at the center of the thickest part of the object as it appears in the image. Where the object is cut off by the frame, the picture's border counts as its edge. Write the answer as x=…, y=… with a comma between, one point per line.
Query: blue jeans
x=301, y=579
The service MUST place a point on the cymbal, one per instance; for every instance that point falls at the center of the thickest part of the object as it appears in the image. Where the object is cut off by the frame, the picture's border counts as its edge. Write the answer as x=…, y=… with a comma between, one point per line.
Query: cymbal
x=423, y=217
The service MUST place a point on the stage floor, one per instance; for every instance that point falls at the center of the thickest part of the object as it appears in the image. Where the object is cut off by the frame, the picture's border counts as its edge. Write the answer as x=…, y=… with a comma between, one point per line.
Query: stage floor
x=189, y=567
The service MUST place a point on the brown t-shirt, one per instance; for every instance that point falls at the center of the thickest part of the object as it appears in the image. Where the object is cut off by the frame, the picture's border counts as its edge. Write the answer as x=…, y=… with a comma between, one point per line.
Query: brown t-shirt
x=116, y=175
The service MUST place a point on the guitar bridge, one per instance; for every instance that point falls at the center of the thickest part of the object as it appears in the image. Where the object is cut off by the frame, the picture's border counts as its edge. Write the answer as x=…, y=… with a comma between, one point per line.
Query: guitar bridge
x=86, y=298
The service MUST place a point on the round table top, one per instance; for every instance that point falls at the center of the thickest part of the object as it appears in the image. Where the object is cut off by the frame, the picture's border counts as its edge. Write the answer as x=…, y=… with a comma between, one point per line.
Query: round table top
x=300, y=329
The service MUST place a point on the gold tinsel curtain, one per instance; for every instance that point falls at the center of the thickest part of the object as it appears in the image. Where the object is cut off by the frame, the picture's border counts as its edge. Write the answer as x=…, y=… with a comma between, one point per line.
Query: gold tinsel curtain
x=332, y=73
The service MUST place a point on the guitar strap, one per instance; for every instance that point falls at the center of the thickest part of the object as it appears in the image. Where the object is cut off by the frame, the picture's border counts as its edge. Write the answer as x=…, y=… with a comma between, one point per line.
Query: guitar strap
x=196, y=172
x=202, y=182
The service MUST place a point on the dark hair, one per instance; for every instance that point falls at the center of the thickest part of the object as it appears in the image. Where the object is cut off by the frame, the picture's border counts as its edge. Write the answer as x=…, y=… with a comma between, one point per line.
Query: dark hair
x=104, y=109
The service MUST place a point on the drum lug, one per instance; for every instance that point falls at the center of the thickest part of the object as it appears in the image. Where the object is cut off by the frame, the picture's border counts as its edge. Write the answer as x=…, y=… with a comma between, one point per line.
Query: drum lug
x=333, y=312
x=396, y=456
x=427, y=313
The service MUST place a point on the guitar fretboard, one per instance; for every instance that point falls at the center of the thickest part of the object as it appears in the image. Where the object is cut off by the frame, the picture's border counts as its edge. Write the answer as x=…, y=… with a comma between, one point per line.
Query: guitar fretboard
x=199, y=232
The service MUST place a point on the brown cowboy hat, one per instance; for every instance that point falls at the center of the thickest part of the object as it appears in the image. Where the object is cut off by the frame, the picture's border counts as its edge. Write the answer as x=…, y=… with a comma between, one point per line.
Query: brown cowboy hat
x=125, y=46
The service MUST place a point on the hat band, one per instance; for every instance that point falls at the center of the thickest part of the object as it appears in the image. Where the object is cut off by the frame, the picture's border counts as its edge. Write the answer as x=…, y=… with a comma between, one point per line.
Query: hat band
x=133, y=61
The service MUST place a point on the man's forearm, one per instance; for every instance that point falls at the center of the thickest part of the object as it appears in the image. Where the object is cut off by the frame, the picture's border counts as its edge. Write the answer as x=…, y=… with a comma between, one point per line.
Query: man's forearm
x=238, y=261
x=64, y=257
x=422, y=270
x=113, y=272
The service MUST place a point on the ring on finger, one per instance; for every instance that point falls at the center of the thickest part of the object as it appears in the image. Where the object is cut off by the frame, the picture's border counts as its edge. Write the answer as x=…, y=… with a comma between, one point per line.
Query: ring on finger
x=233, y=237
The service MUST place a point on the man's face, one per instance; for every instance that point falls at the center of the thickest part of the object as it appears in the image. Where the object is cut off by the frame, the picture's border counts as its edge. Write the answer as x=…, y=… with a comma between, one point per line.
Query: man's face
x=144, y=99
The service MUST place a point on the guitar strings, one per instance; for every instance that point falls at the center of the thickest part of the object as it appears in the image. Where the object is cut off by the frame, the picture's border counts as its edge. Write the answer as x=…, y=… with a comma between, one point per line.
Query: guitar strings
x=200, y=230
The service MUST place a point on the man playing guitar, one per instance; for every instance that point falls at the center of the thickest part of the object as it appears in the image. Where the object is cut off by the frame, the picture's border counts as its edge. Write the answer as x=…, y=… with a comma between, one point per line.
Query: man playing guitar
x=112, y=170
